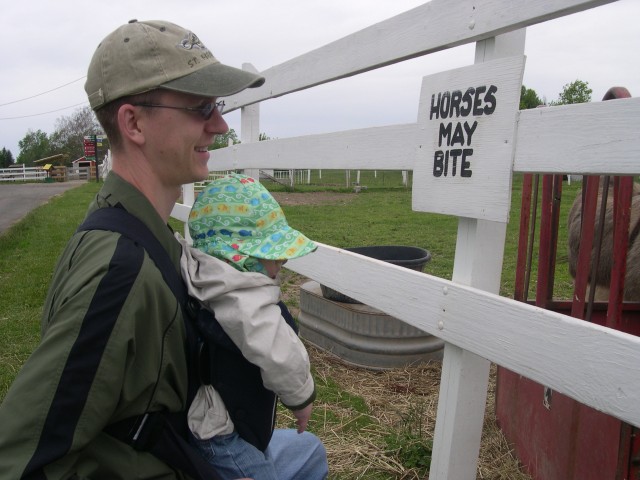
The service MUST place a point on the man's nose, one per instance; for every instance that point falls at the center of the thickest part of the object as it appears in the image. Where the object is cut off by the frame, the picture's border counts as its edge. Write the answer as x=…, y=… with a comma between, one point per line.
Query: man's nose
x=217, y=124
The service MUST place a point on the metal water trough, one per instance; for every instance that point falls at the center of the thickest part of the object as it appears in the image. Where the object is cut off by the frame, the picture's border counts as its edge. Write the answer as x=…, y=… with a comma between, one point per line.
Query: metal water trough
x=360, y=334
x=413, y=258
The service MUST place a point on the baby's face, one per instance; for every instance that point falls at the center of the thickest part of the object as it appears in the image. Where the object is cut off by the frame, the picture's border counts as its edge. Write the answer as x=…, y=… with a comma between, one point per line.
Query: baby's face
x=272, y=267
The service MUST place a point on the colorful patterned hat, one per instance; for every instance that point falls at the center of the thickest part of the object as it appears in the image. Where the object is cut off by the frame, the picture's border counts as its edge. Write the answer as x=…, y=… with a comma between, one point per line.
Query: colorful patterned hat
x=236, y=218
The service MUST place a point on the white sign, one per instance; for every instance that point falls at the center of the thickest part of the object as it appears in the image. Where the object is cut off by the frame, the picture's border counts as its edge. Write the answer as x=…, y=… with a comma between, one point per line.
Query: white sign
x=467, y=120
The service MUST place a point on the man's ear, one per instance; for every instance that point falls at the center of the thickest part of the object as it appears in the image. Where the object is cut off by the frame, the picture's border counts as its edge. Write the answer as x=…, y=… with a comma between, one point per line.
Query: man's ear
x=129, y=121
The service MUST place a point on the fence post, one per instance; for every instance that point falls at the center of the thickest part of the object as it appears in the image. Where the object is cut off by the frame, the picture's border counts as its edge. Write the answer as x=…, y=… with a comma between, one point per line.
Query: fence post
x=250, y=124
x=465, y=376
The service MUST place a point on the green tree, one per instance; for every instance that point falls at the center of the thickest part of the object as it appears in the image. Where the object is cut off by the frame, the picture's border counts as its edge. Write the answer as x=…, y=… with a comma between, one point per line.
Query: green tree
x=6, y=158
x=529, y=98
x=70, y=131
x=34, y=146
x=223, y=140
x=574, y=92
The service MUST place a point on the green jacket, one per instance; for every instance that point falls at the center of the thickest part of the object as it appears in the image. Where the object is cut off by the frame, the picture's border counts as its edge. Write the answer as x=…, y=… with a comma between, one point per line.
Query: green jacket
x=112, y=347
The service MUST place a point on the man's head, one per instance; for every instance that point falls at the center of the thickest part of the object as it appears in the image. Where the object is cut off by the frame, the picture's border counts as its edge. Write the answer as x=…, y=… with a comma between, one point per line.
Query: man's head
x=143, y=56
x=236, y=219
x=140, y=60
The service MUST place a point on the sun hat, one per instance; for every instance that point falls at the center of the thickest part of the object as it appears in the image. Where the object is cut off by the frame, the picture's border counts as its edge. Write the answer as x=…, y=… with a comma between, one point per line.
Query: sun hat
x=236, y=219
x=142, y=56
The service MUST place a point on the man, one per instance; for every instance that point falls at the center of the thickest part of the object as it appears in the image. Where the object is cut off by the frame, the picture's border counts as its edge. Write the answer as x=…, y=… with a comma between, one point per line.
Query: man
x=113, y=333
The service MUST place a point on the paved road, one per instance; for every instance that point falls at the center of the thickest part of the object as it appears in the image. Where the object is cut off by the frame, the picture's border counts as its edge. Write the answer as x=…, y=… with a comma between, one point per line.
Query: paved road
x=16, y=200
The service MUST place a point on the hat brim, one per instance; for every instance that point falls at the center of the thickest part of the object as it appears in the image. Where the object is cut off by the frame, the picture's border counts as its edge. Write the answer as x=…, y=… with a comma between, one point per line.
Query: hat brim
x=217, y=80
x=299, y=245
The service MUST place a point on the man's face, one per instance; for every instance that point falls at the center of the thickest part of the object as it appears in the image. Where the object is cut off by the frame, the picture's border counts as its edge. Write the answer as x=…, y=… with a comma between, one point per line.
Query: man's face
x=177, y=140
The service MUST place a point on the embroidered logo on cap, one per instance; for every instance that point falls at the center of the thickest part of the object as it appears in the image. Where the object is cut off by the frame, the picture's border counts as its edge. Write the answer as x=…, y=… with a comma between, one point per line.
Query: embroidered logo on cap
x=191, y=41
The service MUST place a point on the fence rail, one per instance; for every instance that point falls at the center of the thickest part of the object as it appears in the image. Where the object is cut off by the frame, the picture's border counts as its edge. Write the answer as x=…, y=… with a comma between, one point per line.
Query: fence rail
x=57, y=173
x=22, y=174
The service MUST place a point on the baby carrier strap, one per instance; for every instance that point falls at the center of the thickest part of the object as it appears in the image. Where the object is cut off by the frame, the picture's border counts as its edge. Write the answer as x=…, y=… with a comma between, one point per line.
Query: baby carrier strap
x=163, y=434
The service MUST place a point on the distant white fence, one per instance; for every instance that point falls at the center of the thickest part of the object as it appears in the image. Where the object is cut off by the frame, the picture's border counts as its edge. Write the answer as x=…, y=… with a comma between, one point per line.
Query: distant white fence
x=30, y=174
x=22, y=174
x=467, y=142
x=292, y=177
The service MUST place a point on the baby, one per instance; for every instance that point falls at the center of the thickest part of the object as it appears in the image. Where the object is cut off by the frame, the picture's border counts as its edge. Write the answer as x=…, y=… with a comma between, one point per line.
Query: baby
x=240, y=241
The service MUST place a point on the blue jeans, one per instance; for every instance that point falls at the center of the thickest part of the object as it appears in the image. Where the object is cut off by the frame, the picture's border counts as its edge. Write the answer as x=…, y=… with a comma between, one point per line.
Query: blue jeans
x=289, y=456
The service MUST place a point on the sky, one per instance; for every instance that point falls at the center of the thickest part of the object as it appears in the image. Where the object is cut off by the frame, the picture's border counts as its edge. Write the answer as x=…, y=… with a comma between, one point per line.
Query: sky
x=46, y=46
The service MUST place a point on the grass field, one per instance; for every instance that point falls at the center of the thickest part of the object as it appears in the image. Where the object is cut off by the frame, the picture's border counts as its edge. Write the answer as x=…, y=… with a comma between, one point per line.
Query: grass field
x=366, y=436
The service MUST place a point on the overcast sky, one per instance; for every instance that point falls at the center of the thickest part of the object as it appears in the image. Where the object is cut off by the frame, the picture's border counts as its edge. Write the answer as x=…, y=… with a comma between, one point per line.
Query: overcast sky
x=46, y=45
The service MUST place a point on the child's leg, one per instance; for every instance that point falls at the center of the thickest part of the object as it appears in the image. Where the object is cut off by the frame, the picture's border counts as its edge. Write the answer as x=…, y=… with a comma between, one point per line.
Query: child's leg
x=235, y=458
x=297, y=455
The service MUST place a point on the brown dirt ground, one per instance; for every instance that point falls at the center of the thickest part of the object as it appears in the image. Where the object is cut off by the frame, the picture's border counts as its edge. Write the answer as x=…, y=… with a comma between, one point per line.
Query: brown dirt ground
x=391, y=395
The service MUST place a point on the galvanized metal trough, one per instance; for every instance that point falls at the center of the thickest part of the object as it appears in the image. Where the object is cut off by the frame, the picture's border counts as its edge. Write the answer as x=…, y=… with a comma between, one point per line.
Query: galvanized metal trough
x=360, y=334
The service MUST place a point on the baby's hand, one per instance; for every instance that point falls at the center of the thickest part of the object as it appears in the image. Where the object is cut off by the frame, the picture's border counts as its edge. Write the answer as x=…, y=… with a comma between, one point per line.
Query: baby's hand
x=302, y=417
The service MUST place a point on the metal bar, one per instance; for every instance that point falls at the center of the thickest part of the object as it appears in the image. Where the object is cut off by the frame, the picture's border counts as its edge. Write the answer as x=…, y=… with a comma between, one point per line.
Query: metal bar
x=583, y=267
x=522, y=266
x=553, y=240
x=532, y=234
x=544, y=251
x=623, y=187
x=598, y=246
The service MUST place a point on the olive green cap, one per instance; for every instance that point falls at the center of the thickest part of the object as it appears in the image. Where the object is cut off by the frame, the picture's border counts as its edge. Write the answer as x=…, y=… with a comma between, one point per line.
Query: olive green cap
x=143, y=56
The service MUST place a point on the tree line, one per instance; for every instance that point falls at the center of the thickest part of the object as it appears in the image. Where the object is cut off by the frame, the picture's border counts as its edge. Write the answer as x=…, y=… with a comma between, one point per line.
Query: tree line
x=574, y=92
x=67, y=137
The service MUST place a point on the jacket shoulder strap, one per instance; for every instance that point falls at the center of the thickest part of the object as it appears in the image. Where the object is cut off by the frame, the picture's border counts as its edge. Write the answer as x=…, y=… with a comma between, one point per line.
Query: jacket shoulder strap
x=120, y=221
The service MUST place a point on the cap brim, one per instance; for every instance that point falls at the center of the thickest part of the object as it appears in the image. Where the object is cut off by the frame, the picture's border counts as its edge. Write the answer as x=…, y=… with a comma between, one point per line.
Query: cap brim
x=298, y=245
x=217, y=80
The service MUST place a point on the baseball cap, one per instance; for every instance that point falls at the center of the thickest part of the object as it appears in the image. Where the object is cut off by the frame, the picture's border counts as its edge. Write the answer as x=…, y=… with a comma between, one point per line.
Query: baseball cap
x=142, y=56
x=235, y=218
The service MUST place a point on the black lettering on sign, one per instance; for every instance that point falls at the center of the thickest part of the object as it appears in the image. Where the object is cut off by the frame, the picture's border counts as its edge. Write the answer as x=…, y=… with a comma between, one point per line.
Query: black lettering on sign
x=435, y=107
x=445, y=163
x=457, y=135
x=456, y=98
x=467, y=99
x=490, y=99
x=445, y=133
x=475, y=101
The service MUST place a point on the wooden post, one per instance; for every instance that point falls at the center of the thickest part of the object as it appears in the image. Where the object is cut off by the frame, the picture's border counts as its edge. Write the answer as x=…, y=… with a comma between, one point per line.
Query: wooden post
x=465, y=376
x=250, y=124
x=95, y=161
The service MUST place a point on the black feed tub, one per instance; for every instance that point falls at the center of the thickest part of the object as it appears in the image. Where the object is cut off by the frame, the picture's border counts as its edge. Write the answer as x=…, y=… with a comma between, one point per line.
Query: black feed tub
x=413, y=258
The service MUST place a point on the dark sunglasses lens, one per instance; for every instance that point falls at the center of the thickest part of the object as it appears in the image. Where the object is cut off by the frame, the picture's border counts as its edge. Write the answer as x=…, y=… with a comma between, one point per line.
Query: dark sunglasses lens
x=207, y=110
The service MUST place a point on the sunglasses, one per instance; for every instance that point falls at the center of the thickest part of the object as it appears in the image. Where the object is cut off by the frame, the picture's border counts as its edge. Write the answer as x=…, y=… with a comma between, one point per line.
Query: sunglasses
x=205, y=111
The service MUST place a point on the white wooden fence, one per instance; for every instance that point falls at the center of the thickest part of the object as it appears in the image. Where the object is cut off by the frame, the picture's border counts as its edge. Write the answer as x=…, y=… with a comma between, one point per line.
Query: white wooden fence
x=22, y=174
x=30, y=174
x=594, y=365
